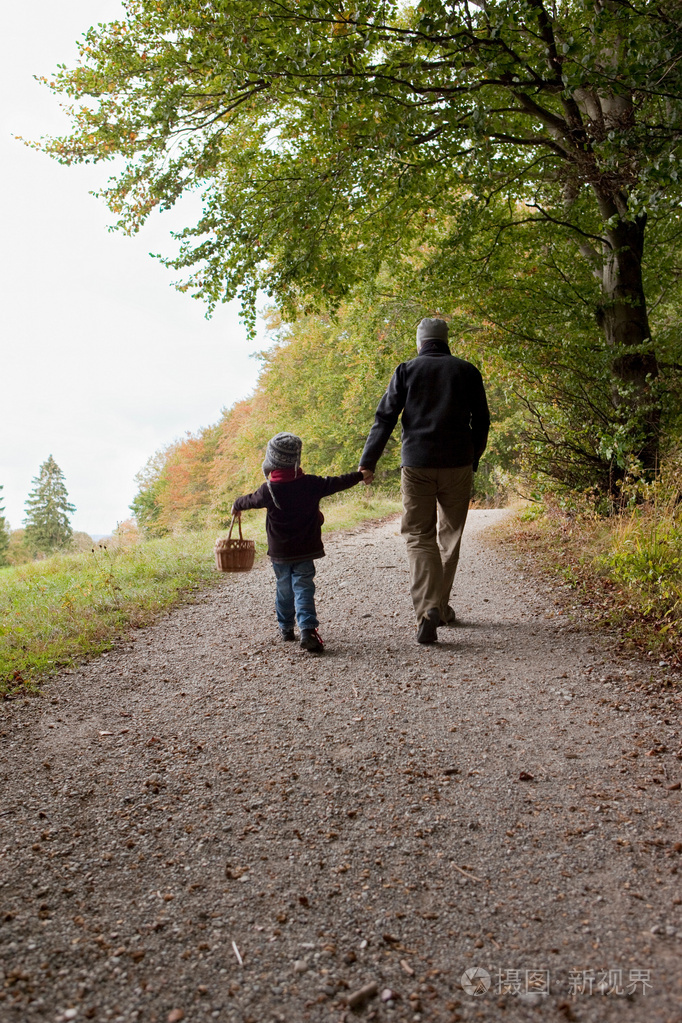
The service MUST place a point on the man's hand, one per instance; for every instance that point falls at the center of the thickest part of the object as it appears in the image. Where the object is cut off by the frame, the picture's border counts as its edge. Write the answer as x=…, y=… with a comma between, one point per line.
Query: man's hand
x=367, y=475
x=236, y=514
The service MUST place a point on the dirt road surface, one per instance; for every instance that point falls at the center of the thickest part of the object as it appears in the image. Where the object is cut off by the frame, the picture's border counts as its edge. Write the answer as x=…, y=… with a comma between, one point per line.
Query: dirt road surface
x=210, y=824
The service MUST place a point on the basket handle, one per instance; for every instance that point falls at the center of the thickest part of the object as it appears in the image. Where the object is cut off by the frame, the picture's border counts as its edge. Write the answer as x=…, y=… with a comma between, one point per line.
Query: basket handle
x=235, y=518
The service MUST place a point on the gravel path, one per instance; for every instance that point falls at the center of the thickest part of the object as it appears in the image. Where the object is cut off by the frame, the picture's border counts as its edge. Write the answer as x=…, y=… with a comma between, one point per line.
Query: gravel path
x=206, y=824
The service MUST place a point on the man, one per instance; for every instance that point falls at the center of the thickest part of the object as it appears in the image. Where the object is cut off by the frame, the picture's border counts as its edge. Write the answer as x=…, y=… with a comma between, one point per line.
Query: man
x=445, y=422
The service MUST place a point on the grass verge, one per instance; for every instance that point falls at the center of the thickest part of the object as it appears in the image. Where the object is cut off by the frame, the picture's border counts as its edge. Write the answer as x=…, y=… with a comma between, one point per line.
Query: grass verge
x=627, y=570
x=54, y=613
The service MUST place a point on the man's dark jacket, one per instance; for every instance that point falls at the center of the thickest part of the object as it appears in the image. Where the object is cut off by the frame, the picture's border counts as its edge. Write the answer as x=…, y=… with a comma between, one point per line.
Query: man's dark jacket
x=294, y=521
x=445, y=418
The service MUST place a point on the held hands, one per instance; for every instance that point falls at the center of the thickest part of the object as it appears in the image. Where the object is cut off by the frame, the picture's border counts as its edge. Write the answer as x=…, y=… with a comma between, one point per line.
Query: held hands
x=367, y=475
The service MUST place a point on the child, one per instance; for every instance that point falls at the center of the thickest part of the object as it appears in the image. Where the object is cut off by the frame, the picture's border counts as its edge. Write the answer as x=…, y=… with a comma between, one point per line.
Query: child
x=294, y=531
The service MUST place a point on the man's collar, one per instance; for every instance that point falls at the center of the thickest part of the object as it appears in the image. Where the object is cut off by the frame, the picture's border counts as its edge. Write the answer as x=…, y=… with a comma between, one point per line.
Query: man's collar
x=434, y=347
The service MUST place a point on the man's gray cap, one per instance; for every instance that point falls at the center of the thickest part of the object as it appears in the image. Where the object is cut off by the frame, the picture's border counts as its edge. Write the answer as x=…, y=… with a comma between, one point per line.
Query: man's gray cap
x=283, y=452
x=431, y=330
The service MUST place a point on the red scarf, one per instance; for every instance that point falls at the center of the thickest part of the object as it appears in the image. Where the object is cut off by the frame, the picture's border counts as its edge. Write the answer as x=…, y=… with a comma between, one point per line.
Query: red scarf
x=286, y=475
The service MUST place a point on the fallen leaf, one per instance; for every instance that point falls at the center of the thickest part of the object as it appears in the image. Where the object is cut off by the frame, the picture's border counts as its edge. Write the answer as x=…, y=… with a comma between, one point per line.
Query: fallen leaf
x=234, y=873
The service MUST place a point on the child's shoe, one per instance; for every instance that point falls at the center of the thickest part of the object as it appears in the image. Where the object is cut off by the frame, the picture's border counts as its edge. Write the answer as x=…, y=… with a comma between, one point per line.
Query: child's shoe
x=288, y=635
x=310, y=641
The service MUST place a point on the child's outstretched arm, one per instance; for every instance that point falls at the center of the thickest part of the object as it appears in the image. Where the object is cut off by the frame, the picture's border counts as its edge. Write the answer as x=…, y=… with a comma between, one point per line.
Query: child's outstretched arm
x=254, y=500
x=333, y=484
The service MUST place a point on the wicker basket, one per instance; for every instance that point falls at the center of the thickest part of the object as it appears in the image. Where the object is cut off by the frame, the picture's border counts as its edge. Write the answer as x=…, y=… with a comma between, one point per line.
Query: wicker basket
x=234, y=555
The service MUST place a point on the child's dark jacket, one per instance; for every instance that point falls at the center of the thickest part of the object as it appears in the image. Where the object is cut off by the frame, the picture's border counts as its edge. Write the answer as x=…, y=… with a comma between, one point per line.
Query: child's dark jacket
x=294, y=529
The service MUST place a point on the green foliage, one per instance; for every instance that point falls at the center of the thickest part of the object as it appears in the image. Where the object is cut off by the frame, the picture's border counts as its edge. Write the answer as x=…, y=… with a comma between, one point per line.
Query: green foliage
x=18, y=553
x=47, y=511
x=626, y=568
x=649, y=552
x=513, y=154
x=645, y=551
x=531, y=512
x=324, y=139
x=147, y=503
x=56, y=611
x=644, y=558
x=4, y=535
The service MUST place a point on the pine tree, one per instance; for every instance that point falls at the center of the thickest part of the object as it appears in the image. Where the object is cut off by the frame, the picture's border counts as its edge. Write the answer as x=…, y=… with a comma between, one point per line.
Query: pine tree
x=4, y=535
x=47, y=511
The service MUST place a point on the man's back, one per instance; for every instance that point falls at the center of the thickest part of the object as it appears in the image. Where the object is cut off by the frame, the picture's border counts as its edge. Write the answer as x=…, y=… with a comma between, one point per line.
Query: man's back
x=445, y=415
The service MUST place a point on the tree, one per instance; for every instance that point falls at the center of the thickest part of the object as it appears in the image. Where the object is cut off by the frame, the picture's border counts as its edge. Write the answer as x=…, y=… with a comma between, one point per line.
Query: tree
x=81, y=541
x=328, y=137
x=18, y=553
x=4, y=534
x=47, y=511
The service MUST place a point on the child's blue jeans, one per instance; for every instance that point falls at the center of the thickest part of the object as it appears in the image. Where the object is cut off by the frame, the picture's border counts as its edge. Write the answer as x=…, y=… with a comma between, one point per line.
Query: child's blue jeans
x=295, y=594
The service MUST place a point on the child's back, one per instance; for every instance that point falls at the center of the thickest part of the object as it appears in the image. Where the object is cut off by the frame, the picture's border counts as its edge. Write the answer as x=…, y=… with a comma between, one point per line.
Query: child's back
x=294, y=520
x=294, y=530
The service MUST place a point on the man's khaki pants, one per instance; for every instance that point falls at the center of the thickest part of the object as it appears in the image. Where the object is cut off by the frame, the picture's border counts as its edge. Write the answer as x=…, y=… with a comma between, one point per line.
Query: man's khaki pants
x=435, y=506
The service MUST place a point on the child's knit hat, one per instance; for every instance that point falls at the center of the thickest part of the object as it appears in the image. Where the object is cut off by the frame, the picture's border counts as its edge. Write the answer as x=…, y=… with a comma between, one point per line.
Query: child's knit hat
x=283, y=452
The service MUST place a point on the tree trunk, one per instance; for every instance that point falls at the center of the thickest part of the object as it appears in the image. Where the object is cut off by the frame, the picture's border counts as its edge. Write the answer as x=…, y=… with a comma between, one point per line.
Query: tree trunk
x=626, y=325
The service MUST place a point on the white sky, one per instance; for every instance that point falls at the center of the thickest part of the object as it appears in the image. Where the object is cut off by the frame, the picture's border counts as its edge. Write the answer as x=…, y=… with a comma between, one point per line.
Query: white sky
x=102, y=362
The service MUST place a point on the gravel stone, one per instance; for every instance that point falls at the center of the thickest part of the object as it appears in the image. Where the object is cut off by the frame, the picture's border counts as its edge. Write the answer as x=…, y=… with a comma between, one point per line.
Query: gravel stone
x=205, y=788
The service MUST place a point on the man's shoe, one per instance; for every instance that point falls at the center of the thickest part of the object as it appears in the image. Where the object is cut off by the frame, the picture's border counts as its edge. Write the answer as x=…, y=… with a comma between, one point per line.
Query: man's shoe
x=428, y=627
x=310, y=641
x=448, y=617
x=288, y=635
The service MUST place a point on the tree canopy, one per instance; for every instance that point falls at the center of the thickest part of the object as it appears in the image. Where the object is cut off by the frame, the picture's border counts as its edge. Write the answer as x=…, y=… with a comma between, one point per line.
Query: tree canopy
x=330, y=139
